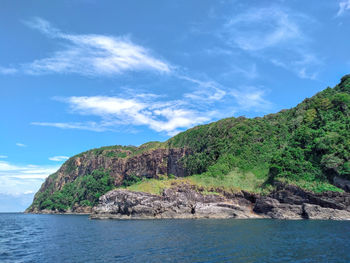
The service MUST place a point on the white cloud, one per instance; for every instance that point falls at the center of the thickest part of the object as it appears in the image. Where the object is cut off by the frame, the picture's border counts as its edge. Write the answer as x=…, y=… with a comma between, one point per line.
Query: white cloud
x=249, y=72
x=208, y=91
x=19, y=179
x=304, y=66
x=21, y=144
x=7, y=71
x=89, y=126
x=251, y=98
x=3, y=156
x=59, y=158
x=15, y=202
x=90, y=55
x=161, y=116
x=274, y=35
x=343, y=7
x=262, y=28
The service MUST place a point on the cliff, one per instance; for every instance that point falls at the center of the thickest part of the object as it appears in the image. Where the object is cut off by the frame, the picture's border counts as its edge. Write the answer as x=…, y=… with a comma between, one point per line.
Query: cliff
x=306, y=147
x=124, y=164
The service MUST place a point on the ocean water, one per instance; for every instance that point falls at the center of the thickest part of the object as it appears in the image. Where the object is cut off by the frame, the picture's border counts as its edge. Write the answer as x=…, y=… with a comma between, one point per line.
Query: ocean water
x=73, y=238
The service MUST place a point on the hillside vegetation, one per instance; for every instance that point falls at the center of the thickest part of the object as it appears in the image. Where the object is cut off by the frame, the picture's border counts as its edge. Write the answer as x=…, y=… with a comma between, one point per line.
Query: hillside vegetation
x=308, y=143
x=307, y=146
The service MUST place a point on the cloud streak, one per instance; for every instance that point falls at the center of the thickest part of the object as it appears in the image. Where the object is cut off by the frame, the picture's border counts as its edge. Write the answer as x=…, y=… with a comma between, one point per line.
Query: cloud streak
x=244, y=31
x=161, y=116
x=59, y=158
x=7, y=71
x=90, y=55
x=251, y=98
x=274, y=35
x=343, y=7
x=19, y=179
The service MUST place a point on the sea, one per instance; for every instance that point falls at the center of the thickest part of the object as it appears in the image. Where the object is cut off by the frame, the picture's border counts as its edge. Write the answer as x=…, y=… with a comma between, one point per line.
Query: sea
x=76, y=238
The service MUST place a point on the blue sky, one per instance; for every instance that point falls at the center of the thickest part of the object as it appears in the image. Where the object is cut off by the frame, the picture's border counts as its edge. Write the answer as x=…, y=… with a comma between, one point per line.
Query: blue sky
x=76, y=75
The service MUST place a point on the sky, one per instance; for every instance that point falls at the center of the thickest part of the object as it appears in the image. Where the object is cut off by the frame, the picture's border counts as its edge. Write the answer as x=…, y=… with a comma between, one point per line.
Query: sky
x=76, y=75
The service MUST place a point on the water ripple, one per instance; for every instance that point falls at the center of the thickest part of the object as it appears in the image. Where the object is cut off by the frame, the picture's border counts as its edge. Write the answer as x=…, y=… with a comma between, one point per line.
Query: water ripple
x=69, y=238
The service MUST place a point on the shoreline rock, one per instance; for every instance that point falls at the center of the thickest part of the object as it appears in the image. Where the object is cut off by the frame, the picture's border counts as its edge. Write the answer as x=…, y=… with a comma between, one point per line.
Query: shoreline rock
x=187, y=202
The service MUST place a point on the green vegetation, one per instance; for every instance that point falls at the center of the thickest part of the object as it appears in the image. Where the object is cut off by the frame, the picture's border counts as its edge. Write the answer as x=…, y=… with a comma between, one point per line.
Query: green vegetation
x=84, y=191
x=153, y=186
x=306, y=145
x=231, y=182
x=130, y=180
x=148, y=146
x=116, y=151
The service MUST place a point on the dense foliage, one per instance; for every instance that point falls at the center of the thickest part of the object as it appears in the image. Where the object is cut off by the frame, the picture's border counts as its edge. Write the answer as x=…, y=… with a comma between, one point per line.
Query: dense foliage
x=84, y=191
x=310, y=142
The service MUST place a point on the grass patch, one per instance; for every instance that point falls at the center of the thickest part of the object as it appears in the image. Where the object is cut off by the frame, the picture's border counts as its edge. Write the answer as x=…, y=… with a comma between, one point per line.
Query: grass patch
x=233, y=182
x=316, y=186
x=155, y=186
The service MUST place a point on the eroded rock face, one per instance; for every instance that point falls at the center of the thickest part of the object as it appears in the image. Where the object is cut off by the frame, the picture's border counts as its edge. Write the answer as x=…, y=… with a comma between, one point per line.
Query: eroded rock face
x=148, y=164
x=185, y=201
x=181, y=201
x=342, y=183
x=121, y=165
x=291, y=202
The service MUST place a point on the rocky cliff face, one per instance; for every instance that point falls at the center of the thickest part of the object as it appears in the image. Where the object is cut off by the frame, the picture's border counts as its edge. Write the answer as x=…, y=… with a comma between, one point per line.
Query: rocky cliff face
x=186, y=201
x=148, y=164
x=121, y=164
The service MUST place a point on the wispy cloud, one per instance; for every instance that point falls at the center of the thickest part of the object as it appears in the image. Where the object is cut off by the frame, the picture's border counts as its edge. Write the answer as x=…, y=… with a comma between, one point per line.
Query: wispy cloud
x=208, y=102
x=89, y=126
x=7, y=71
x=21, y=144
x=19, y=179
x=251, y=98
x=3, y=156
x=261, y=28
x=275, y=35
x=59, y=158
x=343, y=7
x=25, y=172
x=90, y=55
x=208, y=91
x=161, y=116
x=249, y=72
x=303, y=66
x=15, y=201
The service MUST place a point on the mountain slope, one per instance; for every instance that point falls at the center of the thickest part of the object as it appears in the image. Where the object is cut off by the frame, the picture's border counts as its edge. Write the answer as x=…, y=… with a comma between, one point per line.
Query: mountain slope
x=308, y=146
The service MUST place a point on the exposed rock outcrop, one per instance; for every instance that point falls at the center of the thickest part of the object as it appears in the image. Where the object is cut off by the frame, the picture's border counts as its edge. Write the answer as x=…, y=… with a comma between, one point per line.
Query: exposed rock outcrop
x=342, y=183
x=181, y=201
x=185, y=201
x=149, y=164
x=77, y=210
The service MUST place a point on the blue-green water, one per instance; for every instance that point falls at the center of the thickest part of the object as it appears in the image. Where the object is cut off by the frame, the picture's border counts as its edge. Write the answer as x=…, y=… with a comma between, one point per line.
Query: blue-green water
x=70, y=238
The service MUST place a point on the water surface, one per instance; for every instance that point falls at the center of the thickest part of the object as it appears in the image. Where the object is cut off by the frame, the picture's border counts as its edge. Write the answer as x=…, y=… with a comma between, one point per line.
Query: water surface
x=72, y=238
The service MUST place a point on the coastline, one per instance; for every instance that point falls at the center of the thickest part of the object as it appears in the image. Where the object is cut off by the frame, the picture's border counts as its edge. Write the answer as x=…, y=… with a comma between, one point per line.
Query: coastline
x=188, y=202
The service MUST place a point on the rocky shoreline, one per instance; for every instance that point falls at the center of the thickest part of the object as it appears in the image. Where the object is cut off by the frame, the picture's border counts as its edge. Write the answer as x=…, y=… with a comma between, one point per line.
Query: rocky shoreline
x=190, y=202
x=184, y=201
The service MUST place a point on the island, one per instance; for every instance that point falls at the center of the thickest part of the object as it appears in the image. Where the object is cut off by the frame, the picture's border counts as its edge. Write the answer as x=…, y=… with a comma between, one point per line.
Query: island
x=294, y=164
